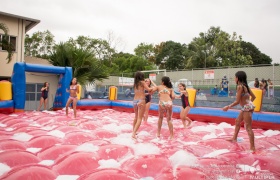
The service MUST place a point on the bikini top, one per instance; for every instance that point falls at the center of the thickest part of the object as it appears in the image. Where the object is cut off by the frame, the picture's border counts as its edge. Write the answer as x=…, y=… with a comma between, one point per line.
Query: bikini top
x=244, y=94
x=164, y=91
x=73, y=87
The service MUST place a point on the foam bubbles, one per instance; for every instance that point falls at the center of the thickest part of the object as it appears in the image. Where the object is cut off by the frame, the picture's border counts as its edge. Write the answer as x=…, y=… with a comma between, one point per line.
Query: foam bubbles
x=182, y=157
x=216, y=153
x=87, y=147
x=110, y=163
x=67, y=177
x=56, y=133
x=145, y=149
x=4, y=168
x=22, y=137
x=270, y=133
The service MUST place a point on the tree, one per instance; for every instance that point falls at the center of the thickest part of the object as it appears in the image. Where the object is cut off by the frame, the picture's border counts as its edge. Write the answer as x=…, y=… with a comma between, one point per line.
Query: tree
x=4, y=42
x=216, y=48
x=257, y=57
x=98, y=47
x=86, y=68
x=39, y=44
x=145, y=51
x=171, y=55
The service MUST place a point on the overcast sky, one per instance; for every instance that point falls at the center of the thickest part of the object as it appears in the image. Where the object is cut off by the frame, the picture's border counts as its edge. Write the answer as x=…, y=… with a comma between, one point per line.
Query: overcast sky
x=154, y=21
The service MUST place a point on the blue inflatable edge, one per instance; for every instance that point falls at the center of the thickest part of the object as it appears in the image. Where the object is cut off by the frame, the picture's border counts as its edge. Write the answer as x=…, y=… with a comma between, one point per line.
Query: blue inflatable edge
x=7, y=104
x=215, y=112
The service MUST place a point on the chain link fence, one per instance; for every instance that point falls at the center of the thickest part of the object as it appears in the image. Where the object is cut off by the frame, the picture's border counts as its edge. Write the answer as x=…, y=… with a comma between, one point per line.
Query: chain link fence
x=208, y=82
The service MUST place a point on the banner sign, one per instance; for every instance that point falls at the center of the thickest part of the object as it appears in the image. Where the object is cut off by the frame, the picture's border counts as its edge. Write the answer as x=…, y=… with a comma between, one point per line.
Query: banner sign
x=209, y=74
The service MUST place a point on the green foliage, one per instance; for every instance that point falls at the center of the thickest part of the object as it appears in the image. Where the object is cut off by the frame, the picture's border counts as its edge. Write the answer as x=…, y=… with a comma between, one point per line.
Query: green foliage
x=39, y=44
x=86, y=68
x=257, y=57
x=4, y=42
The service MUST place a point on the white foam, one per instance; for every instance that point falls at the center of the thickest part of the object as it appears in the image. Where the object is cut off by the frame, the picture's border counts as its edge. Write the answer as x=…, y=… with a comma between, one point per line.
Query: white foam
x=90, y=117
x=145, y=149
x=216, y=153
x=87, y=147
x=22, y=137
x=3, y=125
x=123, y=139
x=225, y=125
x=209, y=136
x=110, y=163
x=115, y=128
x=147, y=178
x=33, y=150
x=208, y=128
x=50, y=112
x=35, y=124
x=4, y=168
x=182, y=157
x=259, y=137
x=48, y=128
x=9, y=129
x=47, y=162
x=56, y=133
x=270, y=133
x=67, y=177
x=273, y=149
x=13, y=115
x=247, y=168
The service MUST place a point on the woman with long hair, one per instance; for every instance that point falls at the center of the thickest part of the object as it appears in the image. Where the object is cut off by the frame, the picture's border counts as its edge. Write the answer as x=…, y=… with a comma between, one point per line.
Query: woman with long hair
x=243, y=94
x=166, y=94
x=148, y=99
x=139, y=101
x=185, y=105
x=73, y=98
x=44, y=96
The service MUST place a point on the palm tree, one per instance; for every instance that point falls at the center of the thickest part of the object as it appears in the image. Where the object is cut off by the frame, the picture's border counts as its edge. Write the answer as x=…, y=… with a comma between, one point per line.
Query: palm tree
x=4, y=42
x=86, y=68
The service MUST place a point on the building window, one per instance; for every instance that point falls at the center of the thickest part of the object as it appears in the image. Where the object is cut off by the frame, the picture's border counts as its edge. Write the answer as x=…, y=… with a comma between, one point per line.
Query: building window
x=11, y=39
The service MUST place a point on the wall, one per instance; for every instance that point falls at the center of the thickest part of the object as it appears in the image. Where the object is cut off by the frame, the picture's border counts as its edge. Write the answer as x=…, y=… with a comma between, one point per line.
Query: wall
x=16, y=28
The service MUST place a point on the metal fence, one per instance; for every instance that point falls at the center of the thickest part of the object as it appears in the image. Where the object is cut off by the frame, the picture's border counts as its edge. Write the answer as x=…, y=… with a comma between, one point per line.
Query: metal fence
x=206, y=97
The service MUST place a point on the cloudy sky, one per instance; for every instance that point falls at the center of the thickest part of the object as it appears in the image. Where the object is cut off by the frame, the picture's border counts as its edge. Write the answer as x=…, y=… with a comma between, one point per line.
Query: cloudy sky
x=154, y=21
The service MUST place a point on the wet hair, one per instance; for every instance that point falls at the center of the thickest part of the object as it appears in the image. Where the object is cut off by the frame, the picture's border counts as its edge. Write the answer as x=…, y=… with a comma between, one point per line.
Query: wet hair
x=138, y=77
x=183, y=84
x=166, y=81
x=242, y=78
x=72, y=80
x=45, y=84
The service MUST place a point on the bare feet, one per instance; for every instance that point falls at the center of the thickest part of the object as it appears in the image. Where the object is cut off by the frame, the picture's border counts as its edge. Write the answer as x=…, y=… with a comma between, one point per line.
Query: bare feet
x=253, y=149
x=134, y=136
x=189, y=123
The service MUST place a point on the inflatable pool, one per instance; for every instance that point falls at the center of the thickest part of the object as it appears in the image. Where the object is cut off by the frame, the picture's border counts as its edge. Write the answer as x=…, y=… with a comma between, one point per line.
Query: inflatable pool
x=49, y=145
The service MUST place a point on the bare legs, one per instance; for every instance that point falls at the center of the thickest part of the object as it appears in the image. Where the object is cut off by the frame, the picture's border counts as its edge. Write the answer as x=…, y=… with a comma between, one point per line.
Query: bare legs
x=45, y=101
x=247, y=117
x=146, y=114
x=70, y=100
x=183, y=116
x=168, y=110
x=139, y=113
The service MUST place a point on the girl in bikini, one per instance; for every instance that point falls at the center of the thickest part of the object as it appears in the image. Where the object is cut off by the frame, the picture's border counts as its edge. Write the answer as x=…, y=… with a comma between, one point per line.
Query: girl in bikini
x=185, y=104
x=243, y=98
x=139, y=101
x=148, y=98
x=166, y=94
x=73, y=90
x=44, y=96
